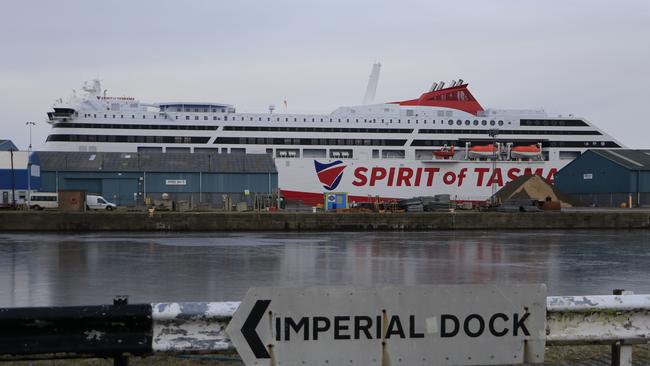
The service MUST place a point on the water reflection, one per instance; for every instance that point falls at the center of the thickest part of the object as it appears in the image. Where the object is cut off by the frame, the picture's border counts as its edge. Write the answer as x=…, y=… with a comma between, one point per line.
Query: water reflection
x=51, y=269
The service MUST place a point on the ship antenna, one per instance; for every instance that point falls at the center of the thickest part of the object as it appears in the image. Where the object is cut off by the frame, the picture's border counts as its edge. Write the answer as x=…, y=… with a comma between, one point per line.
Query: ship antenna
x=271, y=108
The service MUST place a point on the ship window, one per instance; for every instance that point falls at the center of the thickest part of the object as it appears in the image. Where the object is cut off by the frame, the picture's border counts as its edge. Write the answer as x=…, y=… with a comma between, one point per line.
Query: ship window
x=491, y=123
x=251, y=119
x=187, y=117
x=286, y=119
x=133, y=116
x=214, y=118
x=113, y=116
x=475, y=122
x=94, y=116
x=144, y=117
x=121, y=116
x=176, y=117
x=295, y=119
x=467, y=122
x=483, y=122
x=313, y=120
x=104, y=116
x=500, y=123
x=459, y=122
x=196, y=118
x=205, y=118
x=451, y=122
x=154, y=116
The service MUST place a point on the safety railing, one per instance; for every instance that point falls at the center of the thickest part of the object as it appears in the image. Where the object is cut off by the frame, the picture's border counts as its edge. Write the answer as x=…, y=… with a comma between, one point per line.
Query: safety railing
x=121, y=330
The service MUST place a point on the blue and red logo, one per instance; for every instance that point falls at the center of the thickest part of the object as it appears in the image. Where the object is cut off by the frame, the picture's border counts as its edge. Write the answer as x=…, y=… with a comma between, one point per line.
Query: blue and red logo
x=330, y=174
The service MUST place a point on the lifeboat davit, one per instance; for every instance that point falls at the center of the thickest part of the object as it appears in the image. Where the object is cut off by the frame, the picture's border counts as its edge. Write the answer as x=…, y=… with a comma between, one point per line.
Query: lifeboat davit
x=529, y=151
x=445, y=152
x=482, y=151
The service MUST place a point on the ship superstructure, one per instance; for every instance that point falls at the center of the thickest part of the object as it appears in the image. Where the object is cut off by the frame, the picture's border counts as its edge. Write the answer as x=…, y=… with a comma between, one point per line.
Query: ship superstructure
x=442, y=142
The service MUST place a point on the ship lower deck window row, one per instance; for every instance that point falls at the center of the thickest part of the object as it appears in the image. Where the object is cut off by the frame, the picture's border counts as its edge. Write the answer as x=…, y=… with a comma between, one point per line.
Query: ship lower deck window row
x=304, y=141
x=317, y=129
x=461, y=143
x=136, y=127
x=512, y=132
x=129, y=139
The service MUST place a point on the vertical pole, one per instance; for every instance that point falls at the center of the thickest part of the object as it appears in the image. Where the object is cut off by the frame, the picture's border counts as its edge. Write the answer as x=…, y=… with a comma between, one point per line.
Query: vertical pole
x=621, y=353
x=200, y=187
x=120, y=359
x=29, y=166
x=13, y=181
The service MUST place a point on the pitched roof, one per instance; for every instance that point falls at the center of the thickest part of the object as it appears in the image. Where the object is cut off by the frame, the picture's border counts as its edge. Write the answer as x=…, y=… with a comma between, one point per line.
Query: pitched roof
x=7, y=145
x=156, y=162
x=628, y=158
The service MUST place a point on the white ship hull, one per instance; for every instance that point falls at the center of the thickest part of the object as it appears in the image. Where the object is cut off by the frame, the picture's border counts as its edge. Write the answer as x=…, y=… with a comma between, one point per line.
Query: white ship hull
x=365, y=180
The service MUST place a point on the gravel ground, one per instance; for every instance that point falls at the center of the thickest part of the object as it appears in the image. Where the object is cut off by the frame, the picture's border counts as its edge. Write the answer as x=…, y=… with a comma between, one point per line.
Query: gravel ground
x=555, y=356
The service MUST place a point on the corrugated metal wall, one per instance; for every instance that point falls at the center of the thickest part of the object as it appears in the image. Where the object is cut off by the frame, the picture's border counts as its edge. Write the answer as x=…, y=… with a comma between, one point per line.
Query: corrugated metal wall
x=598, y=181
x=130, y=188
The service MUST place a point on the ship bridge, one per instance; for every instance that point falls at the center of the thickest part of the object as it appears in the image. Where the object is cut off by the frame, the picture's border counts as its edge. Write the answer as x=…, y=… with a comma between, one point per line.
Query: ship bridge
x=196, y=107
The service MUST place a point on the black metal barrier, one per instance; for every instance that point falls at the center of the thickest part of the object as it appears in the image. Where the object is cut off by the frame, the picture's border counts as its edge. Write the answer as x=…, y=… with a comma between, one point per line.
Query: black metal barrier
x=76, y=331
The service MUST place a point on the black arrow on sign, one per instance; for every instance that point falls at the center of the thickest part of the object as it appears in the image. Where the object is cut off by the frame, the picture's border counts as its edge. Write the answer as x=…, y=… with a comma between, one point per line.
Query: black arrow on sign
x=248, y=329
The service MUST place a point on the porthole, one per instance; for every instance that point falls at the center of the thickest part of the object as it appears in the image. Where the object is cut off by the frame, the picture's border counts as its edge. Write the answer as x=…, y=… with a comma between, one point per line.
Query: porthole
x=451, y=122
x=459, y=122
x=467, y=122
x=492, y=123
x=500, y=123
x=475, y=122
x=484, y=122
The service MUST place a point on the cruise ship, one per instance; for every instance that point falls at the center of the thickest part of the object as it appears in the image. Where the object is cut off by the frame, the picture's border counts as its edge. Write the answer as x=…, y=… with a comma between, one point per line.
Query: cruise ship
x=442, y=142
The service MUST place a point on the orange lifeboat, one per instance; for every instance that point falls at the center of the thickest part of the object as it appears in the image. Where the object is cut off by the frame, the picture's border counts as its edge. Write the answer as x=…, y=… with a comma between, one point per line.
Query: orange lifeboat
x=482, y=151
x=529, y=151
x=445, y=152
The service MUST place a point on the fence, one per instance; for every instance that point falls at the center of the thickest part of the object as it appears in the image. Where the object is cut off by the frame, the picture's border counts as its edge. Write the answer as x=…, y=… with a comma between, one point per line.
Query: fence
x=116, y=330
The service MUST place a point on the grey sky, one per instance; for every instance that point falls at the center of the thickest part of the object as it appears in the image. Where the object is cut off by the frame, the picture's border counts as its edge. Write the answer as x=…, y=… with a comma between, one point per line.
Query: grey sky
x=589, y=58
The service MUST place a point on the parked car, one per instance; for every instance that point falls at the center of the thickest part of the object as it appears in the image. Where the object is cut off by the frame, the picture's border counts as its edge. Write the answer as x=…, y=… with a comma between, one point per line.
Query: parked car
x=94, y=202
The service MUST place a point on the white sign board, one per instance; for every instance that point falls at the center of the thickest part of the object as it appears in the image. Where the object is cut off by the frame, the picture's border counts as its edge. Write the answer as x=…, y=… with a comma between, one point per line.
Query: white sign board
x=175, y=182
x=398, y=325
x=588, y=176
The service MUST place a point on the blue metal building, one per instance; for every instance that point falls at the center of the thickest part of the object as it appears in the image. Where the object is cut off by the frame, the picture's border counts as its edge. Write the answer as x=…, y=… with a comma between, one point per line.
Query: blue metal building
x=19, y=170
x=608, y=178
x=127, y=178
x=7, y=145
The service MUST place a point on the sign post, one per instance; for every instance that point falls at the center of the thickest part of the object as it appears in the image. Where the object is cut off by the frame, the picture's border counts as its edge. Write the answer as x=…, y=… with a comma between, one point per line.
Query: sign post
x=407, y=325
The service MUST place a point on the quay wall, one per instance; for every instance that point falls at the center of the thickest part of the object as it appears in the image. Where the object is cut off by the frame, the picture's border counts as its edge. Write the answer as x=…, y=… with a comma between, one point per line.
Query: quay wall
x=291, y=221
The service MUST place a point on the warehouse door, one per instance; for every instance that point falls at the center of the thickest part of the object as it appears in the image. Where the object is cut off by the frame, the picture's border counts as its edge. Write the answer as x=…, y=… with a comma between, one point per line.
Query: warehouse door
x=91, y=186
x=122, y=192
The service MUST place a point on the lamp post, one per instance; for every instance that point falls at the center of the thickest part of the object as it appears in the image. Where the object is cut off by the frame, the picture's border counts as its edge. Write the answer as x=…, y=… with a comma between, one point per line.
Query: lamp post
x=493, y=132
x=29, y=166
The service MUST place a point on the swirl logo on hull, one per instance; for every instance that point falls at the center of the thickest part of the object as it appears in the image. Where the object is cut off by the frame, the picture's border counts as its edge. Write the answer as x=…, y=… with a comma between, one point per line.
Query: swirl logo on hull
x=330, y=174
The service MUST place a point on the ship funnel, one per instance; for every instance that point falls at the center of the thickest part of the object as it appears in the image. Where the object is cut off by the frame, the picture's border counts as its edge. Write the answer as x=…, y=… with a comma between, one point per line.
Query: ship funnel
x=433, y=87
x=441, y=85
x=373, y=80
x=460, y=81
x=453, y=84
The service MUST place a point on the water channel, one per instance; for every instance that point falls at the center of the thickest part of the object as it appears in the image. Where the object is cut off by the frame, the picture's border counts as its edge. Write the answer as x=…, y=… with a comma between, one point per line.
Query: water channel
x=91, y=268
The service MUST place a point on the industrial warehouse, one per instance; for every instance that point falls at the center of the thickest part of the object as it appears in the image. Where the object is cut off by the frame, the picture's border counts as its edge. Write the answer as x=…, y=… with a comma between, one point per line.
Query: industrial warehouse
x=133, y=179
x=608, y=178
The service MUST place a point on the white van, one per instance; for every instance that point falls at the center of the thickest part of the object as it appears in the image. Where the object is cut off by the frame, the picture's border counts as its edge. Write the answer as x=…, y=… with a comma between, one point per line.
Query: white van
x=41, y=200
x=98, y=203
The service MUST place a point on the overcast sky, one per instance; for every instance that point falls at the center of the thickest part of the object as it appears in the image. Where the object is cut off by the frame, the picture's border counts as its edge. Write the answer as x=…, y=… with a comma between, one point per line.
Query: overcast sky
x=590, y=58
